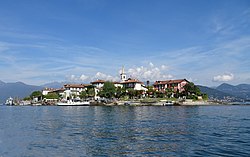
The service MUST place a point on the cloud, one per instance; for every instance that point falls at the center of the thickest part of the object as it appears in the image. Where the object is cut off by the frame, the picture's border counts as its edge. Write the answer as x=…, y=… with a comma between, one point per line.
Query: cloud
x=103, y=76
x=87, y=79
x=151, y=64
x=83, y=77
x=150, y=72
x=223, y=78
x=143, y=73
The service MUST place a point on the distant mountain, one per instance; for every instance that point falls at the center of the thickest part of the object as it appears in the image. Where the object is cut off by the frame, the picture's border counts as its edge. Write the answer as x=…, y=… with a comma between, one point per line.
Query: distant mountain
x=215, y=94
x=17, y=89
x=226, y=88
x=54, y=84
x=229, y=92
x=241, y=90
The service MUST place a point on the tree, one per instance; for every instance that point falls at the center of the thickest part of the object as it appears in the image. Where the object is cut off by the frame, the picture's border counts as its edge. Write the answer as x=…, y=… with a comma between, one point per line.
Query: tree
x=190, y=88
x=83, y=95
x=177, y=94
x=138, y=93
x=192, y=91
x=148, y=83
x=52, y=96
x=131, y=93
x=90, y=92
x=26, y=98
x=36, y=94
x=204, y=96
x=151, y=91
x=169, y=92
x=108, y=90
x=120, y=92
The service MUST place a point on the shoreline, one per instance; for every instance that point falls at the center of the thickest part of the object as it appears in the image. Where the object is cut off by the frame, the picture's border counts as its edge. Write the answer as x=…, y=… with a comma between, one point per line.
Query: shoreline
x=148, y=103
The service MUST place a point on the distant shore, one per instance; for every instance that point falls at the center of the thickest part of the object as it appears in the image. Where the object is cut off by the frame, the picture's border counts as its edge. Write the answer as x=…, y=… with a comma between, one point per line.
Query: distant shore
x=142, y=102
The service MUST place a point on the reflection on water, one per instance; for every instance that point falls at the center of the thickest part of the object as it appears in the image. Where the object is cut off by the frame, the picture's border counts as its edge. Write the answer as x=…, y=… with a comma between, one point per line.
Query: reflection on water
x=124, y=130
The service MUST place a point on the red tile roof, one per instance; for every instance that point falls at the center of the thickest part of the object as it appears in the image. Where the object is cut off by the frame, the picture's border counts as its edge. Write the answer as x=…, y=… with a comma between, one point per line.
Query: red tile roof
x=98, y=81
x=74, y=86
x=59, y=90
x=116, y=82
x=169, y=81
x=131, y=81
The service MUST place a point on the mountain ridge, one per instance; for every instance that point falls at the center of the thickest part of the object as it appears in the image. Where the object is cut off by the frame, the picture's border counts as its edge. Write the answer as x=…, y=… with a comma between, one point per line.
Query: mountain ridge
x=16, y=90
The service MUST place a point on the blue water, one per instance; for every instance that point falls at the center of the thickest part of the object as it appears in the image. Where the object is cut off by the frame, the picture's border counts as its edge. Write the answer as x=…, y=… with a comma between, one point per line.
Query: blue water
x=125, y=131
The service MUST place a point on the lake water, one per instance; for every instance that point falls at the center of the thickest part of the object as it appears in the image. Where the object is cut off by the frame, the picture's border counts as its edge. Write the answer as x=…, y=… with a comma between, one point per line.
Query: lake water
x=125, y=131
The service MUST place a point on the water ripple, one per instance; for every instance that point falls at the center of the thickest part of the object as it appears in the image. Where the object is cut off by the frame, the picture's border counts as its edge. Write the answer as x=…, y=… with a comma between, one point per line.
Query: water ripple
x=125, y=131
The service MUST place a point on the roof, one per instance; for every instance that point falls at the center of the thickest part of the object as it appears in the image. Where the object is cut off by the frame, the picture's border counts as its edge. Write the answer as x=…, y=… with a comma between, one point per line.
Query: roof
x=74, y=86
x=169, y=81
x=116, y=82
x=98, y=81
x=131, y=81
x=48, y=89
x=160, y=82
x=177, y=81
x=59, y=90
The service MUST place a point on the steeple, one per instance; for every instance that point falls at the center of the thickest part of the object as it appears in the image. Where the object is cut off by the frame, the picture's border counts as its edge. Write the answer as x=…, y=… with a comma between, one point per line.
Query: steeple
x=123, y=75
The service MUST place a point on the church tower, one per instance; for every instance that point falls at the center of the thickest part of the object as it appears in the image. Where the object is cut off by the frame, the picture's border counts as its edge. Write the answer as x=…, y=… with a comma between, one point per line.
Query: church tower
x=123, y=75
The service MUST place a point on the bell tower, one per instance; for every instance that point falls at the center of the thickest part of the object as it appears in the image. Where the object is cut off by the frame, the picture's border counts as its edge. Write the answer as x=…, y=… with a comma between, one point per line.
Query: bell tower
x=123, y=75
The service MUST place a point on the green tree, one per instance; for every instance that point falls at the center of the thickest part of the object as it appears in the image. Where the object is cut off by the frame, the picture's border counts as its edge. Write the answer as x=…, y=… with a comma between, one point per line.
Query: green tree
x=26, y=98
x=138, y=93
x=169, y=92
x=52, y=96
x=191, y=89
x=90, y=92
x=36, y=94
x=204, y=96
x=120, y=92
x=83, y=95
x=131, y=93
x=108, y=90
x=151, y=91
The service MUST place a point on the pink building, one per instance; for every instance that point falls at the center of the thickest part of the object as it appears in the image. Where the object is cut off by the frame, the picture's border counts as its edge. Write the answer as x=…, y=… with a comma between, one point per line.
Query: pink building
x=170, y=84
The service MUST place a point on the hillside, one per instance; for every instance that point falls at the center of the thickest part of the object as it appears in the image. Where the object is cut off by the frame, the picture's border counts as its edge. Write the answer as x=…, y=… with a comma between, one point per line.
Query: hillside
x=17, y=89
x=216, y=94
x=54, y=84
x=241, y=90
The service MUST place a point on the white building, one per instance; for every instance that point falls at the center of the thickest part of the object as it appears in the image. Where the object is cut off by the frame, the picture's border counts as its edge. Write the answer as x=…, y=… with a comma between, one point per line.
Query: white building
x=134, y=84
x=98, y=83
x=45, y=91
x=131, y=83
x=73, y=90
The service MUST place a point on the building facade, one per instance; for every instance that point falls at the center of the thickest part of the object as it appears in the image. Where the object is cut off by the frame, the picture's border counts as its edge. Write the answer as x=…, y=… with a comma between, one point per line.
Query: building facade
x=175, y=85
x=73, y=90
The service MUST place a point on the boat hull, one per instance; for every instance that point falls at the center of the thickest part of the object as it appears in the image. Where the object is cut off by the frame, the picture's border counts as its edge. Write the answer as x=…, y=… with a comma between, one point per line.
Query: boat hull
x=74, y=104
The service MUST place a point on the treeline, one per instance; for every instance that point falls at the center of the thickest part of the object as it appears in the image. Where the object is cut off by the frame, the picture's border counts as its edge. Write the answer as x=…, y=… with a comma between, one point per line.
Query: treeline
x=110, y=91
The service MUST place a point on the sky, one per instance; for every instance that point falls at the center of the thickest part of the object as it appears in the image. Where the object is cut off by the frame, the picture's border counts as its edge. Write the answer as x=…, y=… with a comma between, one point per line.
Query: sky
x=206, y=42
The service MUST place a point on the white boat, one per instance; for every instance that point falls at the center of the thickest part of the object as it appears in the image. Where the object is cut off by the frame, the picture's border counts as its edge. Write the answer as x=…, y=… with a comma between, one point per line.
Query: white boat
x=9, y=101
x=168, y=103
x=73, y=103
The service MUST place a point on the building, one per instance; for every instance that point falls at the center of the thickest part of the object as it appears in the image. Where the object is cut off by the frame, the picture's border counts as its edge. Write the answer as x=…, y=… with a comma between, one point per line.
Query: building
x=73, y=90
x=118, y=84
x=175, y=85
x=134, y=84
x=98, y=83
x=46, y=91
x=123, y=75
x=131, y=83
